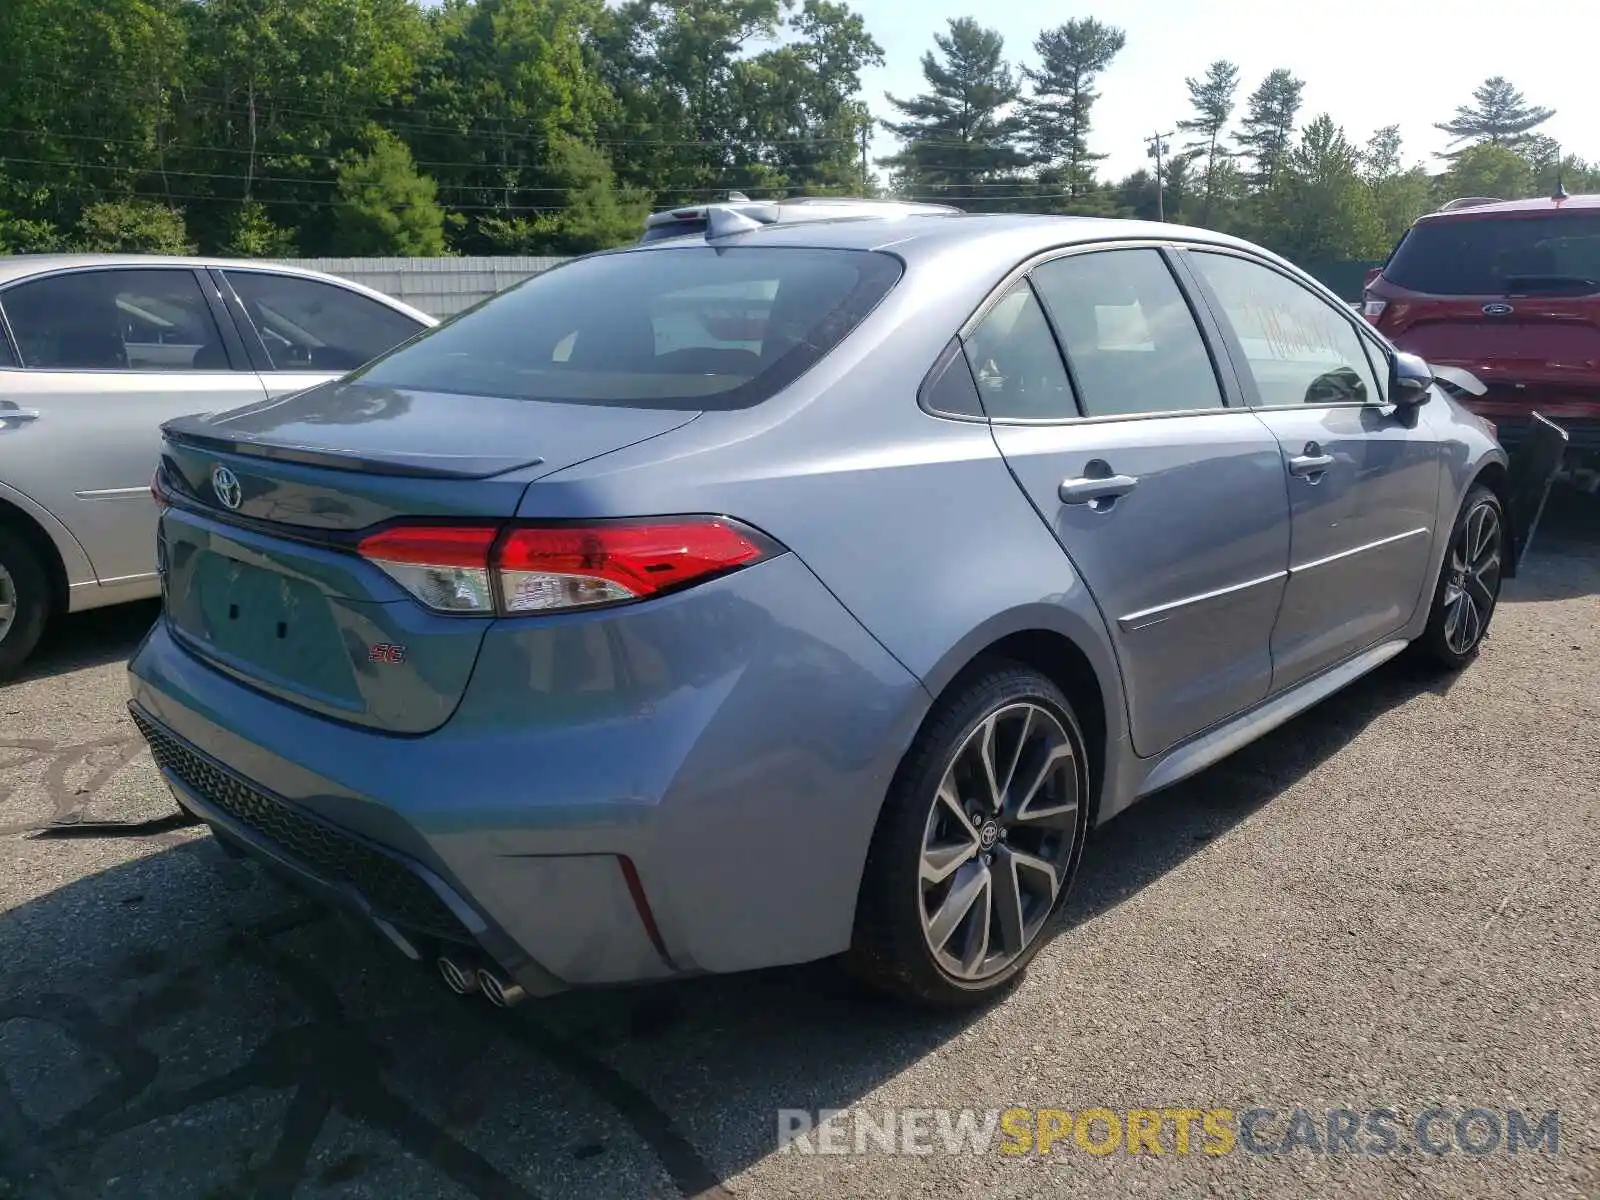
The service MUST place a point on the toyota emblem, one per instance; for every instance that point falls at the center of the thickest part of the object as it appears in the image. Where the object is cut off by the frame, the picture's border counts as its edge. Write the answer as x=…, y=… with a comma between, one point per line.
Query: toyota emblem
x=226, y=485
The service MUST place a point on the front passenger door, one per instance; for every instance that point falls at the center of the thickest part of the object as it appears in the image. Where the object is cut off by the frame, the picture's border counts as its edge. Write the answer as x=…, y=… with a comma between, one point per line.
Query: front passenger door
x=1169, y=502
x=1363, y=477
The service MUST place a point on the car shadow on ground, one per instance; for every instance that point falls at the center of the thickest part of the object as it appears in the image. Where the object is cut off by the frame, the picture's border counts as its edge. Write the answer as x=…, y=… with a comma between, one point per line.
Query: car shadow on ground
x=1565, y=558
x=199, y=1031
x=90, y=639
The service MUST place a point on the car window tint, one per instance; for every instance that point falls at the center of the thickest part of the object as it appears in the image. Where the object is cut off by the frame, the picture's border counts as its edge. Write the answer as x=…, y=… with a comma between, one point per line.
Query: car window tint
x=1299, y=348
x=1496, y=256
x=1128, y=333
x=1016, y=363
x=307, y=325
x=7, y=359
x=115, y=320
x=688, y=327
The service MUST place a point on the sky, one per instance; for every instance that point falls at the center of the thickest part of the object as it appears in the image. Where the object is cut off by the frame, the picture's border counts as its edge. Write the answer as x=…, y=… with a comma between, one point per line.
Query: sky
x=1368, y=63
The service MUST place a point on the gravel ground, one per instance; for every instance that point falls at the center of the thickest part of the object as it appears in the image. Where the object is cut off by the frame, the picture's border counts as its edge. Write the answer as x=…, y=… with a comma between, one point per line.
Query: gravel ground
x=1389, y=903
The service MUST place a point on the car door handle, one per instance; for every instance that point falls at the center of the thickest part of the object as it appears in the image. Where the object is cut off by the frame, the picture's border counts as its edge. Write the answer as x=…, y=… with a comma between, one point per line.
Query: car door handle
x=1310, y=464
x=1087, y=489
x=17, y=416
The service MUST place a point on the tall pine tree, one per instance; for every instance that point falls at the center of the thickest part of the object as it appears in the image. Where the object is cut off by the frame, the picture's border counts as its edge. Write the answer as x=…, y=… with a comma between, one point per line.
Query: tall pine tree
x=1499, y=115
x=1070, y=58
x=960, y=137
x=1213, y=99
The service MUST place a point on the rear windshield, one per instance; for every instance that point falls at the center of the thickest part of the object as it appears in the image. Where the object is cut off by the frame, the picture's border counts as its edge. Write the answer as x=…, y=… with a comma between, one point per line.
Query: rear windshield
x=691, y=327
x=1490, y=256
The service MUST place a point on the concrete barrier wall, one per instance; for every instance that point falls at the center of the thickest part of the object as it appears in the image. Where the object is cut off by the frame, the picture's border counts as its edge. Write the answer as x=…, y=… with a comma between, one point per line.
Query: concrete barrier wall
x=438, y=286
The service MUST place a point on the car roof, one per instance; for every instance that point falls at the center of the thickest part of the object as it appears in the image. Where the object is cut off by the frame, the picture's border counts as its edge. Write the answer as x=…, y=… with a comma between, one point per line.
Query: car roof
x=917, y=234
x=17, y=267
x=1537, y=206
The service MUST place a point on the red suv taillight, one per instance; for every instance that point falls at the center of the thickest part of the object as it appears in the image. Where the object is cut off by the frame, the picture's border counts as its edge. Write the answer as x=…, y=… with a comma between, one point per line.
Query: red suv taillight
x=525, y=569
x=1372, y=307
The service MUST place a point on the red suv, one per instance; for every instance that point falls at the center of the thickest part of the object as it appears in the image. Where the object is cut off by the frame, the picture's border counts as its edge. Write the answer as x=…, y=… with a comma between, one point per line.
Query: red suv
x=1509, y=290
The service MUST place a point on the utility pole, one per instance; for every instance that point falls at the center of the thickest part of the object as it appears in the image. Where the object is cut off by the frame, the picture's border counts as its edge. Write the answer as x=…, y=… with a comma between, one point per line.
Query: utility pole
x=866, y=139
x=1154, y=142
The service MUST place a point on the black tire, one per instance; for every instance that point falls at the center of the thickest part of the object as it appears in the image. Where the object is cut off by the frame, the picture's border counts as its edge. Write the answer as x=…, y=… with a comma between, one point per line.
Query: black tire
x=890, y=949
x=21, y=565
x=1453, y=637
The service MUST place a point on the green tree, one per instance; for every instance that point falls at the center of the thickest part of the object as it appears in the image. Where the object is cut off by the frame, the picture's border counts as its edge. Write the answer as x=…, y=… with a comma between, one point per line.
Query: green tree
x=133, y=227
x=253, y=235
x=1267, y=131
x=1486, y=169
x=799, y=104
x=960, y=136
x=1399, y=194
x=87, y=101
x=1326, y=211
x=1212, y=98
x=1499, y=115
x=1071, y=57
x=385, y=206
x=276, y=93
x=677, y=67
x=512, y=81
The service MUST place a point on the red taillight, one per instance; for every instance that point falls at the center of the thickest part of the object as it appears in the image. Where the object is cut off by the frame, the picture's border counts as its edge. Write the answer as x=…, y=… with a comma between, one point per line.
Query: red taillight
x=549, y=568
x=554, y=567
x=158, y=490
x=1372, y=307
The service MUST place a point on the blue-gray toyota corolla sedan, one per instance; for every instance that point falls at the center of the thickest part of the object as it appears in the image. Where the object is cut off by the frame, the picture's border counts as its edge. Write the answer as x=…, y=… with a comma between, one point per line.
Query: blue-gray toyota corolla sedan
x=798, y=588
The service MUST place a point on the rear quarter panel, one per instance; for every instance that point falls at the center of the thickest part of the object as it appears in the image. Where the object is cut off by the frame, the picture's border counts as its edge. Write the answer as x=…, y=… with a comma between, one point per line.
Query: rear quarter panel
x=912, y=521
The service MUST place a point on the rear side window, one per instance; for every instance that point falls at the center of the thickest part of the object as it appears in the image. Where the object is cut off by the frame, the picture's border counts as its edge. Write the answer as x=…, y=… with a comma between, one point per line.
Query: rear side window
x=307, y=325
x=115, y=320
x=1128, y=332
x=1014, y=359
x=1497, y=256
x=690, y=328
x=7, y=359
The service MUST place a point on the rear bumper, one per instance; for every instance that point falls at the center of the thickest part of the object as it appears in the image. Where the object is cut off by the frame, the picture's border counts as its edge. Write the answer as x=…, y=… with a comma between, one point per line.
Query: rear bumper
x=625, y=795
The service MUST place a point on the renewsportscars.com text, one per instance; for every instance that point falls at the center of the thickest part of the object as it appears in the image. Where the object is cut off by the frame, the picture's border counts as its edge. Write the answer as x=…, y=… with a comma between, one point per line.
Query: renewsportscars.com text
x=1159, y=1131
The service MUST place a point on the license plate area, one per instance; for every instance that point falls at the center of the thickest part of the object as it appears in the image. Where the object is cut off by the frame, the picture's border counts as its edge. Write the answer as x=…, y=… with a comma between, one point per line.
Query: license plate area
x=279, y=625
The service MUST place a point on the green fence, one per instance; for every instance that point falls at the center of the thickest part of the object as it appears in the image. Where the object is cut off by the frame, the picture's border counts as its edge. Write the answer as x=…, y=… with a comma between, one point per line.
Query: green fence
x=1346, y=278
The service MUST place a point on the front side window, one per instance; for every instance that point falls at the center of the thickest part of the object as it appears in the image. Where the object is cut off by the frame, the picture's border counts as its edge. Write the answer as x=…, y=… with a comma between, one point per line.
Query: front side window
x=1128, y=333
x=683, y=328
x=308, y=325
x=1298, y=348
x=115, y=320
x=1014, y=359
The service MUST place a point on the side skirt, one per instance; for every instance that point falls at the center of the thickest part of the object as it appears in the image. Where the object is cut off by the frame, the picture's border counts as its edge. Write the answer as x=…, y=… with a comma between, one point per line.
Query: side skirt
x=1195, y=756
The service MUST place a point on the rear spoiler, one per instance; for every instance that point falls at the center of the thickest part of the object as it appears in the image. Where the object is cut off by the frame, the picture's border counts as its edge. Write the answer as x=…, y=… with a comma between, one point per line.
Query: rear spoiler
x=197, y=433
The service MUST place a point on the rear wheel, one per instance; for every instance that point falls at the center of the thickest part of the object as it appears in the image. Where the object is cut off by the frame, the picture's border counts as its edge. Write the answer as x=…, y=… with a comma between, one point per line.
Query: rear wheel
x=1469, y=582
x=978, y=842
x=24, y=601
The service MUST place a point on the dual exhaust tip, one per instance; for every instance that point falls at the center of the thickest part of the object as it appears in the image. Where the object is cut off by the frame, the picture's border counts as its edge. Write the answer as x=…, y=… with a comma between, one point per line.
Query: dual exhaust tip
x=463, y=978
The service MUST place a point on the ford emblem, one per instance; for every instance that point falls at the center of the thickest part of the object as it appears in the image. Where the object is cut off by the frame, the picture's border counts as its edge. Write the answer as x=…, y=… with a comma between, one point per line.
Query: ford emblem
x=226, y=485
x=1498, y=310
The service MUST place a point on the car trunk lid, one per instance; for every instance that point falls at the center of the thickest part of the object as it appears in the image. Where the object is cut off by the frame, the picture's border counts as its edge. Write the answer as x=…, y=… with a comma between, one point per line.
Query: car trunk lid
x=267, y=506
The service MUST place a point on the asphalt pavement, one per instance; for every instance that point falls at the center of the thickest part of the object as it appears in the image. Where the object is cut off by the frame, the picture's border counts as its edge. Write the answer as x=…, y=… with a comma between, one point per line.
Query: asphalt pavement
x=1389, y=903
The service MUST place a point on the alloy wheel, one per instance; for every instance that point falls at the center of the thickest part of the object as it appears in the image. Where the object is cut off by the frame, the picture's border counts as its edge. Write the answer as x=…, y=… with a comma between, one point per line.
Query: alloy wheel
x=1472, y=586
x=8, y=602
x=999, y=840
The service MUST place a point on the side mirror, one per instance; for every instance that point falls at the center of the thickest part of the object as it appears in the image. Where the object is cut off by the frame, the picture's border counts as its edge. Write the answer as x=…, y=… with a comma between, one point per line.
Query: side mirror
x=1410, y=381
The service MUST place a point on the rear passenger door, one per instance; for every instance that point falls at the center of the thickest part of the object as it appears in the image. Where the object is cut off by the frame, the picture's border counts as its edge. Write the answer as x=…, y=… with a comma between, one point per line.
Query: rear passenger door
x=104, y=357
x=1169, y=500
x=1363, y=477
x=303, y=331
